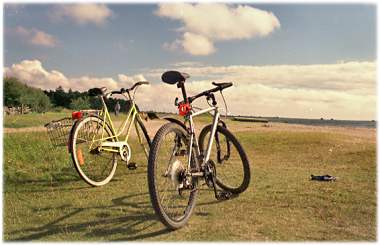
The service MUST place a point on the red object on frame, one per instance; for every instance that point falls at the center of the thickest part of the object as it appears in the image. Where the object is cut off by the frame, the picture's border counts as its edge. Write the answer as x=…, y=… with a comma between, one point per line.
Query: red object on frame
x=76, y=115
x=184, y=108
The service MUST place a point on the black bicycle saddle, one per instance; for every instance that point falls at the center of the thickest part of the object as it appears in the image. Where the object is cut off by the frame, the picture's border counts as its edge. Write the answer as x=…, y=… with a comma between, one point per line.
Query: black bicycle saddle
x=173, y=77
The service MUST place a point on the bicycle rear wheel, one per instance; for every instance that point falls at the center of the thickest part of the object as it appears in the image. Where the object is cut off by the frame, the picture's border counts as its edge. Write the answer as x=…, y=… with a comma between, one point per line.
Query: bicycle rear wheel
x=94, y=166
x=231, y=162
x=167, y=165
x=143, y=136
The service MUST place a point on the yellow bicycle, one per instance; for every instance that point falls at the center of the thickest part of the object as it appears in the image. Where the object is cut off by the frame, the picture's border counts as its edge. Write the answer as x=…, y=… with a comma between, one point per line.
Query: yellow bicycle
x=94, y=143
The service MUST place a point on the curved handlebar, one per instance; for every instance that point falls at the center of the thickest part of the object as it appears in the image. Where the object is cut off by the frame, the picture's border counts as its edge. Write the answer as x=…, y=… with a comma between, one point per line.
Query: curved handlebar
x=102, y=91
x=138, y=84
x=124, y=90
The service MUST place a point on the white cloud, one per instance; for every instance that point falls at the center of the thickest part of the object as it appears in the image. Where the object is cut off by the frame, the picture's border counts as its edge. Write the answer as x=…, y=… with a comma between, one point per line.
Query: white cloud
x=197, y=44
x=34, y=74
x=203, y=24
x=340, y=91
x=35, y=37
x=82, y=13
x=130, y=80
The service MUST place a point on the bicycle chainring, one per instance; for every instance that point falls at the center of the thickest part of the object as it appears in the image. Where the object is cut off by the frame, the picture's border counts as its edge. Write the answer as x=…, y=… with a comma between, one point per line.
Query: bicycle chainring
x=125, y=152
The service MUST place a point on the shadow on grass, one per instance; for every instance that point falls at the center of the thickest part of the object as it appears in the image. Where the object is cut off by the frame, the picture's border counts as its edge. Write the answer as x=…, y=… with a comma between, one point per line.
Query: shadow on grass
x=65, y=176
x=138, y=225
x=135, y=225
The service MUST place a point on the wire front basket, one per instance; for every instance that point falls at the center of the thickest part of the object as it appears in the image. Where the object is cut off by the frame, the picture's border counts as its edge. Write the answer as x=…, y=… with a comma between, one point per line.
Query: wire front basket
x=59, y=131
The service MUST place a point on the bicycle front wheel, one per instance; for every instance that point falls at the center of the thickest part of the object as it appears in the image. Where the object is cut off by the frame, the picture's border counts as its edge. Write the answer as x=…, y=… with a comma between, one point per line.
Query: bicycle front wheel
x=167, y=166
x=231, y=162
x=96, y=167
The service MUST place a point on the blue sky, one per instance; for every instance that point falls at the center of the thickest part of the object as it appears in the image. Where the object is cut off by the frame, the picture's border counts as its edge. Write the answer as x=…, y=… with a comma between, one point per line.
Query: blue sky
x=142, y=40
x=132, y=39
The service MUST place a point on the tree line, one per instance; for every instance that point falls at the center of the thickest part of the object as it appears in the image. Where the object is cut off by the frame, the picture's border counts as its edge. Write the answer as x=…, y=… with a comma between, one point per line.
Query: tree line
x=17, y=93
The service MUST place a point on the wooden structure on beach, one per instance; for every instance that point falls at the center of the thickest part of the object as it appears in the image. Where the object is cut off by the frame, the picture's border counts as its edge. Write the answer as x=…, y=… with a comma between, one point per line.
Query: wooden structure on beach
x=250, y=119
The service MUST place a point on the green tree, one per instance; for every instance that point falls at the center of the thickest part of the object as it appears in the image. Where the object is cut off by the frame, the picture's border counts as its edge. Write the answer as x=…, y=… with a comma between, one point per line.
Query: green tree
x=80, y=103
x=18, y=94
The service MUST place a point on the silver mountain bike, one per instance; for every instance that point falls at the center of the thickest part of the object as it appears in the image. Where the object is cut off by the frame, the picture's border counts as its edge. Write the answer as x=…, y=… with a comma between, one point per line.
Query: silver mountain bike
x=178, y=160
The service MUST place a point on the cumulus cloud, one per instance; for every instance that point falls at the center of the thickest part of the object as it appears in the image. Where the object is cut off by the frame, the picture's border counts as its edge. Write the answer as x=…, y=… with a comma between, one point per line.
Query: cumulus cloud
x=35, y=37
x=34, y=74
x=89, y=13
x=130, y=80
x=203, y=24
x=340, y=91
x=343, y=90
x=197, y=44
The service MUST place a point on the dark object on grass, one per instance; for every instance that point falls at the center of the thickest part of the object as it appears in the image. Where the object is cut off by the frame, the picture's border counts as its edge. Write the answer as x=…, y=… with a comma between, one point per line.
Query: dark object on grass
x=152, y=115
x=323, y=177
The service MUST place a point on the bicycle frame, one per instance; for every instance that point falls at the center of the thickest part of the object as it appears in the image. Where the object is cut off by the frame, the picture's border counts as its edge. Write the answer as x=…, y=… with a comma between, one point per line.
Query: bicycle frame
x=131, y=119
x=206, y=157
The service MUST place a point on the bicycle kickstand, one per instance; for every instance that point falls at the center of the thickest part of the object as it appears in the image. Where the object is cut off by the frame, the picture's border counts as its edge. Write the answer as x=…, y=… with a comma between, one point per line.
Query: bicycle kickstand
x=210, y=177
x=220, y=195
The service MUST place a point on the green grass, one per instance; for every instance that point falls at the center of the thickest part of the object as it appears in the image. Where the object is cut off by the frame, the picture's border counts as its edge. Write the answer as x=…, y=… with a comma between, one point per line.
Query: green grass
x=44, y=199
x=33, y=119
x=40, y=119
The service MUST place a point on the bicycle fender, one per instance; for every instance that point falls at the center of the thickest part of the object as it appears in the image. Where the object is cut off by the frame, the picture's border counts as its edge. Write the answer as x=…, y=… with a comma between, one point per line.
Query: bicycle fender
x=71, y=136
x=223, y=124
x=173, y=120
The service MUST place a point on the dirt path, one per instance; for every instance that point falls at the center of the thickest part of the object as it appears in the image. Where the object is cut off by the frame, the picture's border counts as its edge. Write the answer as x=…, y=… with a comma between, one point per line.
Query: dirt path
x=22, y=130
x=152, y=127
x=365, y=134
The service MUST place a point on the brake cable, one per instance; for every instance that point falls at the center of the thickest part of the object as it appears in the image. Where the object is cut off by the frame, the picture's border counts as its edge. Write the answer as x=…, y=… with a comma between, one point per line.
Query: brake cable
x=134, y=92
x=225, y=105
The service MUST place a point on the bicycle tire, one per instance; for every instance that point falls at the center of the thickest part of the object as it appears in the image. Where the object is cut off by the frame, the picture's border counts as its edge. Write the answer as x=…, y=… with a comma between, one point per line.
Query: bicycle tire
x=76, y=155
x=243, y=182
x=145, y=133
x=161, y=211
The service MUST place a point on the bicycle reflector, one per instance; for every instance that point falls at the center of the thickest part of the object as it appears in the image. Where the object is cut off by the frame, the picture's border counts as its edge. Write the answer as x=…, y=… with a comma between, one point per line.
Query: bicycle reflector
x=184, y=108
x=76, y=115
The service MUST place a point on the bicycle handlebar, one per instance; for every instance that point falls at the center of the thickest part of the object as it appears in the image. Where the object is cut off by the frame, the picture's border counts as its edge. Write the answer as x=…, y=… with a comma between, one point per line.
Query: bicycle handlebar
x=125, y=90
x=102, y=91
x=219, y=87
x=138, y=84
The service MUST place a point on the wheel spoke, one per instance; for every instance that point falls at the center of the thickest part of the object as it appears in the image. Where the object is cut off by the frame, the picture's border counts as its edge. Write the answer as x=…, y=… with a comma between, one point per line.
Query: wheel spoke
x=169, y=167
x=96, y=167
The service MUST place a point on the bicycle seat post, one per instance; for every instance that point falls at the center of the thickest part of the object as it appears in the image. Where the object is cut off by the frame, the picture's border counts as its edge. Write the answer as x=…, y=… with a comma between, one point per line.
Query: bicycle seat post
x=181, y=85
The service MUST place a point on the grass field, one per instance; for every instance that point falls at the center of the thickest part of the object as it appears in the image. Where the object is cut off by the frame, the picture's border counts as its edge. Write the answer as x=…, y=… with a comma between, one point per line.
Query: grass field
x=44, y=199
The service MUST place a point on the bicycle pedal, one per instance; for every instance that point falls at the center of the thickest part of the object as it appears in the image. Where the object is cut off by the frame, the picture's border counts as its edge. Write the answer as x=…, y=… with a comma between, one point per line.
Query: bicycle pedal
x=132, y=166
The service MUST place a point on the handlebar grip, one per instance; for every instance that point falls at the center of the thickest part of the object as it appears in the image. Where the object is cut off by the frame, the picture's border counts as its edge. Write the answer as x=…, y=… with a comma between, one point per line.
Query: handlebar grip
x=222, y=85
